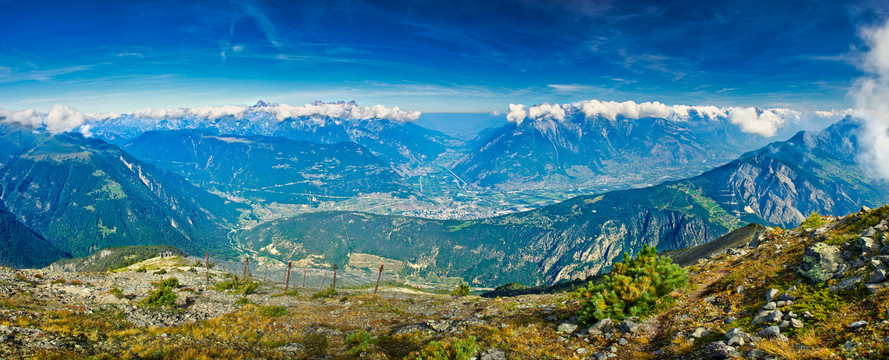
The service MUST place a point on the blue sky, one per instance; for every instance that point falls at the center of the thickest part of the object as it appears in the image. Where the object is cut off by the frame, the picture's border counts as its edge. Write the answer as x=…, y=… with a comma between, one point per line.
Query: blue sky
x=432, y=56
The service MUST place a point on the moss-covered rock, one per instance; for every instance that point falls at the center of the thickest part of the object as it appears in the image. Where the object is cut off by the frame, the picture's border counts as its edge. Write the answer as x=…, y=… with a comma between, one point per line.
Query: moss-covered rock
x=820, y=262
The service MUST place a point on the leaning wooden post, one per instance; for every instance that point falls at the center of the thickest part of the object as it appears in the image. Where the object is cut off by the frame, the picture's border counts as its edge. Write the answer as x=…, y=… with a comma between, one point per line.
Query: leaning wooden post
x=266, y=274
x=208, y=268
x=305, y=274
x=378, y=280
x=323, y=280
x=287, y=277
x=246, y=262
x=334, y=276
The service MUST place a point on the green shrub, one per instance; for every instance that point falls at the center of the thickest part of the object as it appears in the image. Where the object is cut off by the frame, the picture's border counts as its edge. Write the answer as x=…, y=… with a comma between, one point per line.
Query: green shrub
x=460, y=349
x=812, y=222
x=326, y=293
x=293, y=292
x=58, y=281
x=273, y=311
x=360, y=341
x=235, y=285
x=315, y=346
x=635, y=287
x=118, y=293
x=161, y=272
x=461, y=290
x=164, y=295
x=818, y=300
x=244, y=301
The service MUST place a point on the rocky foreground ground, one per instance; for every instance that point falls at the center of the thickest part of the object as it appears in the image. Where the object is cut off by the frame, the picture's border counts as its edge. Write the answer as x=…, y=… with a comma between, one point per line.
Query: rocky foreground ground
x=813, y=292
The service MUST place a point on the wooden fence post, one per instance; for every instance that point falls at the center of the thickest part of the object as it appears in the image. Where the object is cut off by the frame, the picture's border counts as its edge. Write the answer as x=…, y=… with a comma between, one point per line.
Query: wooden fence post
x=208, y=268
x=246, y=262
x=305, y=274
x=378, y=280
x=334, y=276
x=287, y=277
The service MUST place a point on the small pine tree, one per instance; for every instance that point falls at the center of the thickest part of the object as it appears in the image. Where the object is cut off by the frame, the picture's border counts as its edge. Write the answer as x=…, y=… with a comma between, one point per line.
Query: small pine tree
x=461, y=290
x=633, y=288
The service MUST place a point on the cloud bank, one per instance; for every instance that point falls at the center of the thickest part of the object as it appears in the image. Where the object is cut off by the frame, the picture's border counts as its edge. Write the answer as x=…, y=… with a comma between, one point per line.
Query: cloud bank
x=62, y=118
x=871, y=94
x=750, y=120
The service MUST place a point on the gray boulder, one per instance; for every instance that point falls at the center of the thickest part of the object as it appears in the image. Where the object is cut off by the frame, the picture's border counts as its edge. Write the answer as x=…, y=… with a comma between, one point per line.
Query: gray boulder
x=868, y=245
x=878, y=276
x=721, y=350
x=769, y=332
x=566, y=328
x=820, y=262
x=767, y=316
x=629, y=326
x=492, y=354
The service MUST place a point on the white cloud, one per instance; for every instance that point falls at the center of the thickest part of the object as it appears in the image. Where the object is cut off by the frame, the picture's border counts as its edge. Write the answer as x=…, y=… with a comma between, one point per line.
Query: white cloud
x=340, y=110
x=568, y=88
x=750, y=120
x=547, y=111
x=871, y=95
x=516, y=113
x=25, y=118
x=763, y=122
x=62, y=118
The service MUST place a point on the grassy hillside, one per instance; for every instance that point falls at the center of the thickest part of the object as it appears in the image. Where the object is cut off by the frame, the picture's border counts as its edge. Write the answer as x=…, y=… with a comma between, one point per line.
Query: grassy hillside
x=115, y=258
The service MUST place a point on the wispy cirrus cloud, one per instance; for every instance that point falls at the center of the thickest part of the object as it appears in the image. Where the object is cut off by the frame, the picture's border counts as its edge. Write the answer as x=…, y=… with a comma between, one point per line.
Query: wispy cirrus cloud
x=570, y=88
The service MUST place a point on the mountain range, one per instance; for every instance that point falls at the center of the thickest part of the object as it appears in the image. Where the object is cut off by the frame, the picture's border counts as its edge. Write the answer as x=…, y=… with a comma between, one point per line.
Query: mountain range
x=163, y=186
x=777, y=185
x=582, y=151
x=267, y=168
x=403, y=145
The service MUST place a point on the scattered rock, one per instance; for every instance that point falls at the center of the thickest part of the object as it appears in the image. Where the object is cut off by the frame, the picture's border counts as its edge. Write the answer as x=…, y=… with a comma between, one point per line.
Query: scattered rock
x=878, y=276
x=493, y=354
x=857, y=325
x=771, y=294
x=796, y=323
x=769, y=332
x=721, y=350
x=735, y=337
x=767, y=316
x=770, y=306
x=566, y=328
x=629, y=326
x=699, y=333
x=582, y=351
x=867, y=244
x=819, y=263
x=846, y=284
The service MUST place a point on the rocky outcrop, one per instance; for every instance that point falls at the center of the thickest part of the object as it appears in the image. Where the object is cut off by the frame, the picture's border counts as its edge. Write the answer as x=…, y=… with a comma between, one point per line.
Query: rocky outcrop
x=820, y=262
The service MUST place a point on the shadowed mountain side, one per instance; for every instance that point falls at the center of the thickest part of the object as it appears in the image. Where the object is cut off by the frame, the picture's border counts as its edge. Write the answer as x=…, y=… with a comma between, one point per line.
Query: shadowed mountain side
x=84, y=194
